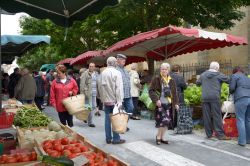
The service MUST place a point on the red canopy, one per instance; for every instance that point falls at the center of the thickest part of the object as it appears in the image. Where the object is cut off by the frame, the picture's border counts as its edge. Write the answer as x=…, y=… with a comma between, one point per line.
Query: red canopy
x=67, y=60
x=85, y=57
x=172, y=41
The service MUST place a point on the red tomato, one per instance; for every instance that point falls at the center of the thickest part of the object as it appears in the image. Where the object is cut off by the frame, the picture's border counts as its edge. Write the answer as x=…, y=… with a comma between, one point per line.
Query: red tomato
x=84, y=148
x=4, y=157
x=72, y=155
x=25, y=158
x=66, y=152
x=33, y=156
x=65, y=141
x=11, y=159
x=58, y=147
x=47, y=145
x=54, y=153
x=73, y=142
x=57, y=142
x=76, y=150
x=18, y=156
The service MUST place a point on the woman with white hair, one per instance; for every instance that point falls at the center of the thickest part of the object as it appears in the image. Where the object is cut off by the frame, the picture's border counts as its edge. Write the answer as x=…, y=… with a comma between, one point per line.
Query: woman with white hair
x=163, y=93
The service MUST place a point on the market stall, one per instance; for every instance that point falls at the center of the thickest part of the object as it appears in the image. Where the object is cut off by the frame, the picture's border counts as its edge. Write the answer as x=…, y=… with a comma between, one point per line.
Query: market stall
x=30, y=137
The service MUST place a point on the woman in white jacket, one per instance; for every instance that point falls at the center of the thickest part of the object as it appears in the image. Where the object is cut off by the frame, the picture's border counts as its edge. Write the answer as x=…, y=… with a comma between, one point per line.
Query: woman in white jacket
x=135, y=90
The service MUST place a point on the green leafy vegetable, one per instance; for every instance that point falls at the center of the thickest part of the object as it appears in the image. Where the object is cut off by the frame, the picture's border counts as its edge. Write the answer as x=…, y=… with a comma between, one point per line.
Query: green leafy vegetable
x=29, y=116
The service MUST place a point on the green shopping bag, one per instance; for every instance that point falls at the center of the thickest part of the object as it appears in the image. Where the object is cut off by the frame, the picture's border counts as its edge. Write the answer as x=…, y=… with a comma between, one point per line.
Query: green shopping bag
x=144, y=97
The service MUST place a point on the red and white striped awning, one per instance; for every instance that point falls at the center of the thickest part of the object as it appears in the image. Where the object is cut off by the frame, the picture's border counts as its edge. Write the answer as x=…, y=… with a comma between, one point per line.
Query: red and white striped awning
x=171, y=41
x=64, y=61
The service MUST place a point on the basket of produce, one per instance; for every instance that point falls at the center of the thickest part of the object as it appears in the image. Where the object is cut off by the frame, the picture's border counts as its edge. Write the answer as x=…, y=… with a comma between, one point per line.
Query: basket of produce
x=26, y=136
x=30, y=116
x=6, y=119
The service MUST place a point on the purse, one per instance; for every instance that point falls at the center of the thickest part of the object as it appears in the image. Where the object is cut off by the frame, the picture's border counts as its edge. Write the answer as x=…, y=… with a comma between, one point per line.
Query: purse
x=74, y=104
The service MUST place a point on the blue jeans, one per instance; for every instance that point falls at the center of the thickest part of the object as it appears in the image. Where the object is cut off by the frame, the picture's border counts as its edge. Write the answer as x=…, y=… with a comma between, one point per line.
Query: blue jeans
x=116, y=137
x=128, y=105
x=243, y=120
x=92, y=103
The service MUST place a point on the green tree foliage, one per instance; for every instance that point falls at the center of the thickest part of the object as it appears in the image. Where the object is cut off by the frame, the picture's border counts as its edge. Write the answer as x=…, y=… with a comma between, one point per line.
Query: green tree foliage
x=124, y=20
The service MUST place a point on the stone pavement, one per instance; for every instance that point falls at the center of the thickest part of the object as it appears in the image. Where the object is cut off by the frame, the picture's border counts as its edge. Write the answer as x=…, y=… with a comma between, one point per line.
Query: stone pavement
x=184, y=150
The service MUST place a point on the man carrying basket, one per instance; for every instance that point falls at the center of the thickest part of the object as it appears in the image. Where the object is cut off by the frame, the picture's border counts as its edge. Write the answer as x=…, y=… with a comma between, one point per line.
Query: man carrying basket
x=111, y=93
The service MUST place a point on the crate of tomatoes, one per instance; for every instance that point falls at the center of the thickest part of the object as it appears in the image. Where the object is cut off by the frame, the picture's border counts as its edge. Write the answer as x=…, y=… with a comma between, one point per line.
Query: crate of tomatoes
x=18, y=158
x=74, y=148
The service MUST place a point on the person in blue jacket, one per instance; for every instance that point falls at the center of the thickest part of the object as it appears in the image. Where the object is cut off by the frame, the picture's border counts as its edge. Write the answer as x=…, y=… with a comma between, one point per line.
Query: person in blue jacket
x=240, y=88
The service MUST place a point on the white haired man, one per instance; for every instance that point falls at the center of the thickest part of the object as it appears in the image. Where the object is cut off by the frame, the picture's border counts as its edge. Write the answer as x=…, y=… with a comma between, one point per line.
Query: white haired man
x=111, y=93
x=211, y=81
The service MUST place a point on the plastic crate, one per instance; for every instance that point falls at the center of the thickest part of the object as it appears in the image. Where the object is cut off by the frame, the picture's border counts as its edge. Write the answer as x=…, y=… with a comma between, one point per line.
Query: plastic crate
x=6, y=119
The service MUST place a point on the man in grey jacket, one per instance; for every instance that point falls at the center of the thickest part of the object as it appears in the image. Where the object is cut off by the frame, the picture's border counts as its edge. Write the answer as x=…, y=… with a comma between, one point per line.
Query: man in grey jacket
x=211, y=81
x=88, y=87
x=111, y=93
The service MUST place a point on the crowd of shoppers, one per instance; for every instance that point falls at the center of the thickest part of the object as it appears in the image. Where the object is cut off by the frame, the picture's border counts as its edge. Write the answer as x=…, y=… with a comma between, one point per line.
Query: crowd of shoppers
x=115, y=85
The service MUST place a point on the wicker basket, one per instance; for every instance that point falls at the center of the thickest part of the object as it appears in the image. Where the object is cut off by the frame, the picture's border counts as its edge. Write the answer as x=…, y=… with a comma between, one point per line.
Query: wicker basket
x=74, y=104
x=119, y=122
x=83, y=115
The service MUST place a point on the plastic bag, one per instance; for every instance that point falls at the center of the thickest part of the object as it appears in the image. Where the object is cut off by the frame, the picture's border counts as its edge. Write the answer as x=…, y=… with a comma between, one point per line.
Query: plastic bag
x=144, y=97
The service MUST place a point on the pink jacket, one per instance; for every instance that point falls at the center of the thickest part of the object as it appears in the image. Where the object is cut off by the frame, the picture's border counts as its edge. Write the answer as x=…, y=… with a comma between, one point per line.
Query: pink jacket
x=60, y=91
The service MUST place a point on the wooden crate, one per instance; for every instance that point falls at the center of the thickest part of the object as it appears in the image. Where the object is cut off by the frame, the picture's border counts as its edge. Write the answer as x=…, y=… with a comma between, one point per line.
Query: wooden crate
x=22, y=163
x=21, y=139
x=88, y=143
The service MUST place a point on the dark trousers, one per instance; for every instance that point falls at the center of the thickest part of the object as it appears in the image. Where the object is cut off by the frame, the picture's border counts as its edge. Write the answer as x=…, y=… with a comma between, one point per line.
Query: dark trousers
x=99, y=104
x=48, y=97
x=39, y=102
x=66, y=118
x=136, y=111
x=212, y=118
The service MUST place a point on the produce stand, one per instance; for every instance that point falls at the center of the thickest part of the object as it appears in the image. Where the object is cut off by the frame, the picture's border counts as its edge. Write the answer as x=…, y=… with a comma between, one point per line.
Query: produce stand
x=90, y=154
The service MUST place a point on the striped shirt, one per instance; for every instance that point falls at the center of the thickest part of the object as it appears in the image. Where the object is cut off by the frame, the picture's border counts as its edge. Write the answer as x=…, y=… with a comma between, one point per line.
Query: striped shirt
x=126, y=81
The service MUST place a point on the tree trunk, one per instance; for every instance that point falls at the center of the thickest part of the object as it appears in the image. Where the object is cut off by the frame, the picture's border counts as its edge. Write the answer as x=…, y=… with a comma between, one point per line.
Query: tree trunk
x=151, y=66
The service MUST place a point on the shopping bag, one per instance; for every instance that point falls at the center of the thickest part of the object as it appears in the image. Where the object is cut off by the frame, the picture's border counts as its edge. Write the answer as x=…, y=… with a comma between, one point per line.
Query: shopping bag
x=119, y=120
x=228, y=107
x=74, y=104
x=184, y=120
x=144, y=97
x=230, y=127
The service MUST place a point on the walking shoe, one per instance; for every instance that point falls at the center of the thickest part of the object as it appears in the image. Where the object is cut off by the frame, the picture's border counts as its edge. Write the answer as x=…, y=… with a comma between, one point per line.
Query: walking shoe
x=85, y=121
x=91, y=125
x=164, y=141
x=224, y=138
x=157, y=141
x=241, y=145
x=121, y=141
x=108, y=141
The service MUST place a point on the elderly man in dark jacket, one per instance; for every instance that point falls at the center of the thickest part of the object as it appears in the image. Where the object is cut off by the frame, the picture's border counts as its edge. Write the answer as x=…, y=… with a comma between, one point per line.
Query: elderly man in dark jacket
x=211, y=81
